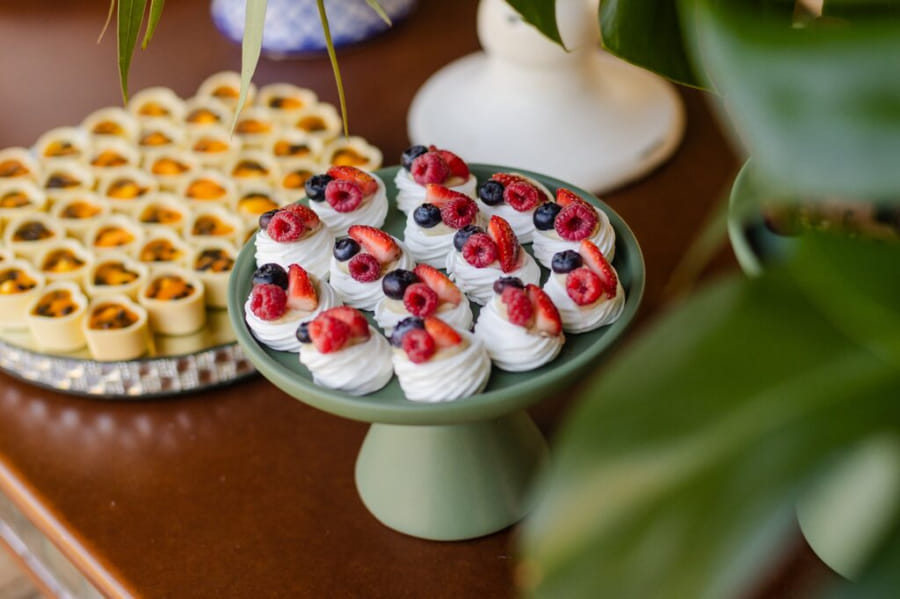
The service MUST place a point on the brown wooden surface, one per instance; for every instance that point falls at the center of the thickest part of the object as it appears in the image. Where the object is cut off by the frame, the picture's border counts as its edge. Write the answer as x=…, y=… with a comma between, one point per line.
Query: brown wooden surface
x=245, y=492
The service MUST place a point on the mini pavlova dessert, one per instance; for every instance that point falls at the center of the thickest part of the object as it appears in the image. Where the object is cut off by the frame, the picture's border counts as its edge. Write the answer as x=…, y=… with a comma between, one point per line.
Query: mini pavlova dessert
x=515, y=197
x=434, y=362
x=280, y=300
x=430, y=228
x=360, y=261
x=422, y=166
x=343, y=351
x=586, y=289
x=346, y=196
x=520, y=326
x=481, y=258
x=565, y=223
x=423, y=291
x=294, y=235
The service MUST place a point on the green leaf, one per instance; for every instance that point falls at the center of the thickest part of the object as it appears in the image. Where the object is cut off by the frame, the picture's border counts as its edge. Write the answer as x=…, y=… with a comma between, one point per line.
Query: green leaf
x=323, y=17
x=130, y=18
x=109, y=16
x=541, y=14
x=156, y=8
x=254, y=21
x=377, y=8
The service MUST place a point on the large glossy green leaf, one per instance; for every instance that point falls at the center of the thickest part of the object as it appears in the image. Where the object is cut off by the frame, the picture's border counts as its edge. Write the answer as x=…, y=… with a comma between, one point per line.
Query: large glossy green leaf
x=130, y=18
x=541, y=14
x=251, y=46
x=156, y=8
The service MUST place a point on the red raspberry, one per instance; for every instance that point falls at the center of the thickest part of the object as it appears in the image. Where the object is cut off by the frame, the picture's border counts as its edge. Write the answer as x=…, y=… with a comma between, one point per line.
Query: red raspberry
x=583, y=286
x=518, y=306
x=285, y=227
x=420, y=299
x=479, y=250
x=328, y=333
x=459, y=212
x=575, y=222
x=343, y=195
x=364, y=268
x=418, y=345
x=268, y=301
x=522, y=196
x=430, y=167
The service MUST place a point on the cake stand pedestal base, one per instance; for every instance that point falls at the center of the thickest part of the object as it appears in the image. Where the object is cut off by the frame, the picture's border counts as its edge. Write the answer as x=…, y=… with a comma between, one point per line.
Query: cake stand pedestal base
x=450, y=482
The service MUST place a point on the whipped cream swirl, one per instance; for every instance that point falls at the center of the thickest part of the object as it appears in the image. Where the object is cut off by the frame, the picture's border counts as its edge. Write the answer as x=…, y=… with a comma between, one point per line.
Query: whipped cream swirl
x=313, y=253
x=389, y=312
x=511, y=347
x=281, y=334
x=410, y=194
x=478, y=283
x=371, y=212
x=364, y=295
x=359, y=369
x=452, y=373
x=581, y=319
x=547, y=243
x=431, y=245
x=522, y=223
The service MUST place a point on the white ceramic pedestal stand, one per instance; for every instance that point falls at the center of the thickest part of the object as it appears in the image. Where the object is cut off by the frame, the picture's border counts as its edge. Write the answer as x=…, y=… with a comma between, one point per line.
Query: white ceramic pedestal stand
x=582, y=116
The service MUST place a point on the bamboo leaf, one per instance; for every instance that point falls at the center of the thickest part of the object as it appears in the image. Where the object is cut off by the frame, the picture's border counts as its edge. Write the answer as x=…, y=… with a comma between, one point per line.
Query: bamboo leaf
x=326, y=30
x=541, y=14
x=254, y=22
x=156, y=9
x=130, y=19
x=378, y=9
x=109, y=16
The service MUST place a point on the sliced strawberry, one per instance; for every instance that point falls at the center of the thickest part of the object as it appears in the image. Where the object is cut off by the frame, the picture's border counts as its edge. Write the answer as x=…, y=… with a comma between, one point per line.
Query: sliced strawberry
x=566, y=197
x=301, y=293
x=375, y=242
x=546, y=317
x=458, y=167
x=309, y=218
x=506, y=178
x=597, y=262
x=507, y=243
x=366, y=182
x=353, y=318
x=440, y=196
x=439, y=283
x=442, y=333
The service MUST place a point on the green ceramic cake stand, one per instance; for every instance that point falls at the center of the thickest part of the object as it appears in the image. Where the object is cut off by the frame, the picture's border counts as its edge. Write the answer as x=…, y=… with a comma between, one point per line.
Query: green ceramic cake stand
x=452, y=470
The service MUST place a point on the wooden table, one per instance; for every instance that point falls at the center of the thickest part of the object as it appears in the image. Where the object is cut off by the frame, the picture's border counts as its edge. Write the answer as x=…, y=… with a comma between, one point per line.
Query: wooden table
x=243, y=491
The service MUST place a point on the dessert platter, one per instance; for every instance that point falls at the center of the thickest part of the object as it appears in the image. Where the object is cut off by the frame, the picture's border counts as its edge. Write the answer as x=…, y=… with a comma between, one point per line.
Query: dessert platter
x=438, y=320
x=118, y=236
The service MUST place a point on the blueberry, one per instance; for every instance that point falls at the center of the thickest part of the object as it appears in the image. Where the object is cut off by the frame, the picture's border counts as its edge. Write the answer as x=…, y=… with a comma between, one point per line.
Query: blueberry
x=345, y=248
x=504, y=282
x=403, y=327
x=265, y=217
x=394, y=283
x=271, y=274
x=315, y=187
x=410, y=154
x=545, y=215
x=303, y=333
x=565, y=261
x=491, y=192
x=427, y=215
x=461, y=236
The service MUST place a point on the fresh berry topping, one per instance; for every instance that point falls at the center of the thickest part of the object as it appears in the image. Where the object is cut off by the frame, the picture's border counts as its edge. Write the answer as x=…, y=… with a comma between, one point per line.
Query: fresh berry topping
x=597, y=262
x=565, y=261
x=507, y=243
x=457, y=166
x=442, y=333
x=505, y=179
x=345, y=248
x=394, y=283
x=504, y=282
x=343, y=195
x=576, y=221
x=309, y=218
x=418, y=345
x=522, y=196
x=268, y=301
x=459, y=213
x=301, y=293
x=353, y=318
x=303, y=333
x=440, y=195
x=366, y=182
x=491, y=192
x=546, y=316
x=410, y=154
x=545, y=215
x=566, y=197
x=376, y=242
x=427, y=215
x=271, y=274
x=461, y=236
x=518, y=307
x=583, y=286
x=265, y=218
x=439, y=283
x=479, y=250
x=420, y=299
x=328, y=333
x=315, y=187
x=285, y=227
x=429, y=168
x=403, y=327
x=364, y=268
